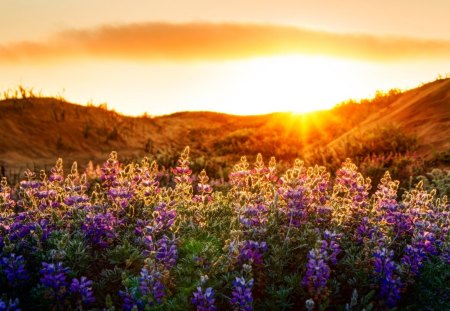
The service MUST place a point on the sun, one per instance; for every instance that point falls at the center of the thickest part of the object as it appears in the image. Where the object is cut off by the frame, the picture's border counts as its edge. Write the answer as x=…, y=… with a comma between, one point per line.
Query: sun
x=292, y=83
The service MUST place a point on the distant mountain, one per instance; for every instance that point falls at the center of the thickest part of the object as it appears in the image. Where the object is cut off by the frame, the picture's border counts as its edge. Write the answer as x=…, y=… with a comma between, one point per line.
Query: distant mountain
x=36, y=131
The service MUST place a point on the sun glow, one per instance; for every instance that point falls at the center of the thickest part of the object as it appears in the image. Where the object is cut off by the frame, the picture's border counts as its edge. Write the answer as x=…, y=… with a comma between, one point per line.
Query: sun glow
x=293, y=83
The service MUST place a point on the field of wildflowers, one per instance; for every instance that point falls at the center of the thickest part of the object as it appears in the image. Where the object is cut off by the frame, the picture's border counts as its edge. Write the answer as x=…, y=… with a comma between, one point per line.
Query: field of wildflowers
x=133, y=237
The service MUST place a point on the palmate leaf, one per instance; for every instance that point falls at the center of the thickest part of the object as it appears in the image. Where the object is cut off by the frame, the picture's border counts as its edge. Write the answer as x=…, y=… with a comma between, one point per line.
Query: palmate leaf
x=125, y=255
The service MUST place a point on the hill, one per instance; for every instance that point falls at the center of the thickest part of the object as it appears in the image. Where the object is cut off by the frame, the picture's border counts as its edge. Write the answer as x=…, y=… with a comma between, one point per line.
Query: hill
x=423, y=112
x=36, y=131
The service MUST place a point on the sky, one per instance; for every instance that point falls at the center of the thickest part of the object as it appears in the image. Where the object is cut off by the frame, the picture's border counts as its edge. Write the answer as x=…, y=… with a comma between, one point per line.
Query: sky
x=241, y=57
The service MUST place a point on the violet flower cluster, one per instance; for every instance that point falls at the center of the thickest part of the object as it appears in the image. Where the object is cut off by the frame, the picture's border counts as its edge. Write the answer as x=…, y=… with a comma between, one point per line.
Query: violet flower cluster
x=10, y=305
x=204, y=300
x=54, y=277
x=166, y=252
x=386, y=270
x=82, y=288
x=318, y=266
x=252, y=252
x=144, y=235
x=241, y=296
x=14, y=268
x=99, y=229
x=149, y=292
x=317, y=274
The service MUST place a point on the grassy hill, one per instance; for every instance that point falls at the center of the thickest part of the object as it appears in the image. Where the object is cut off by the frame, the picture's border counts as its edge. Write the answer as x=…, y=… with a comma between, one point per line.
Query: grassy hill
x=36, y=131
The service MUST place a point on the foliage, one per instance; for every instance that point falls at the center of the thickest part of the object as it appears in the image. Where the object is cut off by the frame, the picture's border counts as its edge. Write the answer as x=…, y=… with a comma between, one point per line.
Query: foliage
x=133, y=237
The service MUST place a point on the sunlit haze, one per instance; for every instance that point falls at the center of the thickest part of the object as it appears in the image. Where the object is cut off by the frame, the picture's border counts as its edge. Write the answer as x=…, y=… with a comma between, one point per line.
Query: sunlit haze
x=240, y=57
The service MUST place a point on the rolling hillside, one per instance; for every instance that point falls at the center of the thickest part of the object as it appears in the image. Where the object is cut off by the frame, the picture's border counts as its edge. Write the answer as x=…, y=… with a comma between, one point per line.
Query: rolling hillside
x=423, y=112
x=36, y=131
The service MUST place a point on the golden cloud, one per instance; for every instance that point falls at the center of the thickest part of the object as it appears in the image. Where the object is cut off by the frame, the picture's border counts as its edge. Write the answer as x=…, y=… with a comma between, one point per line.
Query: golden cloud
x=209, y=41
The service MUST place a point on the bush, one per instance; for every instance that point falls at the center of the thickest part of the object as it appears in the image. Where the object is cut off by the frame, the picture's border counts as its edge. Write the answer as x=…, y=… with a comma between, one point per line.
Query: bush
x=119, y=237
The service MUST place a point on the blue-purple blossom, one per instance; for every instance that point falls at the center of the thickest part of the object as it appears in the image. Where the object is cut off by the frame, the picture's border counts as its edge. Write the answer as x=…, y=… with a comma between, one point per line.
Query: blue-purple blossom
x=166, y=252
x=242, y=298
x=140, y=228
x=29, y=184
x=121, y=193
x=129, y=302
x=76, y=199
x=83, y=288
x=413, y=258
x=252, y=251
x=423, y=245
x=297, y=203
x=14, y=268
x=149, y=292
x=386, y=271
x=110, y=170
x=254, y=216
x=204, y=301
x=163, y=217
x=11, y=305
x=20, y=229
x=317, y=273
x=151, y=287
x=100, y=229
x=54, y=277
x=331, y=246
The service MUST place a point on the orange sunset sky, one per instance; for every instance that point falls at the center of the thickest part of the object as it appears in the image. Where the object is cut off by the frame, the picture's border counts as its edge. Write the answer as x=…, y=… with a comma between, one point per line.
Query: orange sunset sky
x=242, y=57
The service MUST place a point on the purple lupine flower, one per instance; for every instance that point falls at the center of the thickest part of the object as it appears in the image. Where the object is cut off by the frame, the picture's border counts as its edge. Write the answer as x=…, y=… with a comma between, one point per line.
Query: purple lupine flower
x=365, y=230
x=29, y=184
x=323, y=213
x=3, y=305
x=140, y=227
x=151, y=287
x=54, y=276
x=317, y=273
x=149, y=245
x=254, y=216
x=331, y=246
x=83, y=288
x=45, y=228
x=19, y=229
x=121, y=192
x=11, y=305
x=14, y=269
x=386, y=270
x=163, y=217
x=397, y=216
x=166, y=252
x=413, y=258
x=204, y=301
x=57, y=173
x=76, y=199
x=252, y=251
x=355, y=190
x=182, y=172
x=242, y=298
x=129, y=302
x=297, y=204
x=46, y=194
x=100, y=229
x=110, y=170
x=204, y=189
x=423, y=245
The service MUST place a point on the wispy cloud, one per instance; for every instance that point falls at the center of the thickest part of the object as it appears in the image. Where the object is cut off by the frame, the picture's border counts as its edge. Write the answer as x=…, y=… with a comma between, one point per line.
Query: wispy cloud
x=209, y=41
